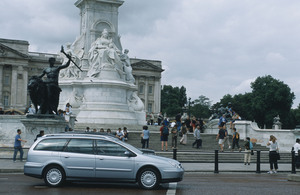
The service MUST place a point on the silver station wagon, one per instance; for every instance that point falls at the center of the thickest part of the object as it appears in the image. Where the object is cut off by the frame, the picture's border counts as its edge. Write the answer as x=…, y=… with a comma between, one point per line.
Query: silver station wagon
x=84, y=157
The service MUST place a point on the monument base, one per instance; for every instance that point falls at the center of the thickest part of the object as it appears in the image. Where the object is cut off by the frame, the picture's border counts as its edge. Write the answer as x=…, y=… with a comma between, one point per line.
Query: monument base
x=37, y=122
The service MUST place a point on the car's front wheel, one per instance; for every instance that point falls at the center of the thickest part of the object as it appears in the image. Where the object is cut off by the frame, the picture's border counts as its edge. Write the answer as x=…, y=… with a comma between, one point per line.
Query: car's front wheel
x=148, y=178
x=54, y=176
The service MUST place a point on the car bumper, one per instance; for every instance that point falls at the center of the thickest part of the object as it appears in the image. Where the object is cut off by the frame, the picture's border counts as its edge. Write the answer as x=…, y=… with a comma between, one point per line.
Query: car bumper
x=172, y=175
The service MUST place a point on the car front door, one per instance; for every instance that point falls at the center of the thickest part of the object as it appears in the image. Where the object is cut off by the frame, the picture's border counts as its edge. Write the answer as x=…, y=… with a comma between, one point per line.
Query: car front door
x=112, y=162
x=79, y=158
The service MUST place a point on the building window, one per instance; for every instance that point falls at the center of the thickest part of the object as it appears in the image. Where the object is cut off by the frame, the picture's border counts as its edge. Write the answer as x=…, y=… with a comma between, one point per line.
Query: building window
x=149, y=107
x=6, y=80
x=5, y=100
x=150, y=89
x=141, y=89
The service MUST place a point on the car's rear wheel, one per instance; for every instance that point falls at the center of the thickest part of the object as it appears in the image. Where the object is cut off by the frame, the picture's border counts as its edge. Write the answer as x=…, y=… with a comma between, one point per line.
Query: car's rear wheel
x=54, y=176
x=148, y=178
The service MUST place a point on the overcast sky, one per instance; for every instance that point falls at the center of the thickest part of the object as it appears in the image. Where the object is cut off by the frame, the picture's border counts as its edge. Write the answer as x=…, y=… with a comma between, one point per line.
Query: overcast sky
x=211, y=47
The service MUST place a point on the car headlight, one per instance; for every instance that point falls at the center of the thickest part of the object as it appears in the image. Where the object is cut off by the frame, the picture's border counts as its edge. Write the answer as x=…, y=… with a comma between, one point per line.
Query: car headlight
x=174, y=164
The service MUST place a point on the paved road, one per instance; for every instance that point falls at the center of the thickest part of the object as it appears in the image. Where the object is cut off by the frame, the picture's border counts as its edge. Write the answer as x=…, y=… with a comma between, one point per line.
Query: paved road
x=193, y=183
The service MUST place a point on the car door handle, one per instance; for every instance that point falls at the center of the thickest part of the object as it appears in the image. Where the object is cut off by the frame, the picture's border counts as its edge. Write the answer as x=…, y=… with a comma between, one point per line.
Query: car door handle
x=101, y=158
x=67, y=156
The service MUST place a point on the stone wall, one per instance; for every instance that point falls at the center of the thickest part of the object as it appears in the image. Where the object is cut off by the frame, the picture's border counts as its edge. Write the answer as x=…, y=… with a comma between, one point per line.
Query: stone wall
x=286, y=137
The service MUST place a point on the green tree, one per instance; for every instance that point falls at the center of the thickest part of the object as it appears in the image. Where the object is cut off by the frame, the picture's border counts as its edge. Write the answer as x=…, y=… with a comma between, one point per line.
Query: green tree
x=201, y=107
x=172, y=99
x=271, y=97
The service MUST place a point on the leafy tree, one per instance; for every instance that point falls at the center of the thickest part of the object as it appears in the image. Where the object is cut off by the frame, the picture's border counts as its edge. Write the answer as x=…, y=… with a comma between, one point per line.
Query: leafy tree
x=201, y=107
x=172, y=99
x=271, y=97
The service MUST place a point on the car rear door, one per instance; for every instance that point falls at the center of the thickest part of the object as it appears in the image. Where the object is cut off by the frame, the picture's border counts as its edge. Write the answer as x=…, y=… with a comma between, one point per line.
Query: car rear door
x=79, y=158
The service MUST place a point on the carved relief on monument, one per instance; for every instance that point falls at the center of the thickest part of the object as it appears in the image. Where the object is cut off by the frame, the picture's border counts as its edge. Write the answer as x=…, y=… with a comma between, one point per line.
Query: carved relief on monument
x=134, y=102
x=76, y=50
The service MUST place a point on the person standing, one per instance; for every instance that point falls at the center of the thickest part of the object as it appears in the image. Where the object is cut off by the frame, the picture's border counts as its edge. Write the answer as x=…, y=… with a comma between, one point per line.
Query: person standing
x=187, y=123
x=160, y=118
x=151, y=118
x=248, y=148
x=184, y=128
x=221, y=136
x=18, y=146
x=178, y=121
x=273, y=156
x=296, y=149
x=193, y=124
x=235, y=140
x=39, y=135
x=164, y=134
x=174, y=132
x=198, y=140
x=145, y=136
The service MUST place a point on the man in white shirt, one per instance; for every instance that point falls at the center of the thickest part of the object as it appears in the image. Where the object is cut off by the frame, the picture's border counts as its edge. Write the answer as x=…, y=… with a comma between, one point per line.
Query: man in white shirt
x=297, y=146
x=296, y=149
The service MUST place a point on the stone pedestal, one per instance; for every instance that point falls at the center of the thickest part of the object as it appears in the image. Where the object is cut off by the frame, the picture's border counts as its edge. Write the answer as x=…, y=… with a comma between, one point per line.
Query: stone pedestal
x=101, y=102
x=35, y=123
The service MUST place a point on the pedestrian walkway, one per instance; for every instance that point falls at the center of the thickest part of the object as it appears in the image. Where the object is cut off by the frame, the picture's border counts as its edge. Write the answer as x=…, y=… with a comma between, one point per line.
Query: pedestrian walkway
x=8, y=166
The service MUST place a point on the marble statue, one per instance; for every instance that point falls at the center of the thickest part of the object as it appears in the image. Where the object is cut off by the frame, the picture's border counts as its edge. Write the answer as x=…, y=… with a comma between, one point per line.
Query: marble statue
x=72, y=71
x=127, y=66
x=104, y=53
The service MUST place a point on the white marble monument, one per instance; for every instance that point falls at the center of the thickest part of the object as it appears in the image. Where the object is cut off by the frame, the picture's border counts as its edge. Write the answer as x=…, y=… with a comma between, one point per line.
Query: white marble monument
x=104, y=91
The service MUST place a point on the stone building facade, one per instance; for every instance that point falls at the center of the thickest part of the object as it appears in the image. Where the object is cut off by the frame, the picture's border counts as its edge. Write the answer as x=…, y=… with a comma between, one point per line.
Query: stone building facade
x=18, y=64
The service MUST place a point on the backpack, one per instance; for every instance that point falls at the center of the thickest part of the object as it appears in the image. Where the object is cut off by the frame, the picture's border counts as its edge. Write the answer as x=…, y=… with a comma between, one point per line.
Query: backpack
x=251, y=145
x=237, y=135
x=166, y=130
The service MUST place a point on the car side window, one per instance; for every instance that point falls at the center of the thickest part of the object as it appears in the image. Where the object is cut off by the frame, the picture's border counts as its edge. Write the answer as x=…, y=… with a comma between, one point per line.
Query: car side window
x=51, y=144
x=84, y=146
x=110, y=148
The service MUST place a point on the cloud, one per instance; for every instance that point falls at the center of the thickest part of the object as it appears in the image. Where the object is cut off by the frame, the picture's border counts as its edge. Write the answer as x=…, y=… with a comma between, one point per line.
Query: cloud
x=213, y=47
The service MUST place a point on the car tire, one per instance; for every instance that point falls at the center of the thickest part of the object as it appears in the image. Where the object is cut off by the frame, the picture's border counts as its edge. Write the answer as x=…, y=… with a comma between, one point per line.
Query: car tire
x=148, y=178
x=54, y=176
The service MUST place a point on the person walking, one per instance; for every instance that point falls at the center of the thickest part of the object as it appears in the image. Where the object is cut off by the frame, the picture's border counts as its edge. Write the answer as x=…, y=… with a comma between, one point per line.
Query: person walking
x=18, y=146
x=235, y=140
x=248, y=148
x=198, y=140
x=273, y=154
x=145, y=136
x=184, y=130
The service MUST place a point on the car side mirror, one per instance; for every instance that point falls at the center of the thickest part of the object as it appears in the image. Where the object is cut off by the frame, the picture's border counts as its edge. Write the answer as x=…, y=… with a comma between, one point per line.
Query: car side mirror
x=128, y=154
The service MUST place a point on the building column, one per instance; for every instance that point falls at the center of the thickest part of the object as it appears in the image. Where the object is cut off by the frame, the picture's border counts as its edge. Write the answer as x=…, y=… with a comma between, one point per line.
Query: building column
x=1, y=90
x=14, y=80
x=157, y=95
x=146, y=93
x=25, y=84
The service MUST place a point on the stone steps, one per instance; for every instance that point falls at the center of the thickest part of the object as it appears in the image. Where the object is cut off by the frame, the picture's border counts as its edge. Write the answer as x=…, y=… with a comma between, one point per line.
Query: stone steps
x=185, y=153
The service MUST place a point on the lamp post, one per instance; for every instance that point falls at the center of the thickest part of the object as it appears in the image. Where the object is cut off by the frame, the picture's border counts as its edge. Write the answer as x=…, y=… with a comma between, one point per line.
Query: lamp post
x=189, y=107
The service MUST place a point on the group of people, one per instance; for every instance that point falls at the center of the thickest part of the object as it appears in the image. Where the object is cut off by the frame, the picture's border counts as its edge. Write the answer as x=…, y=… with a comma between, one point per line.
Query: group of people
x=179, y=128
x=121, y=134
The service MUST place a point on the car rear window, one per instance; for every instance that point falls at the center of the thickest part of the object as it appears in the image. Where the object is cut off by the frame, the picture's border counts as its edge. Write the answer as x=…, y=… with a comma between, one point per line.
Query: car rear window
x=51, y=144
x=84, y=146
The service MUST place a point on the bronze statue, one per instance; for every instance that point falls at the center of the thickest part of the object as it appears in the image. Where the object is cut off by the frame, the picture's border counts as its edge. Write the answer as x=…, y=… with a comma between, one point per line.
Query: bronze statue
x=45, y=94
